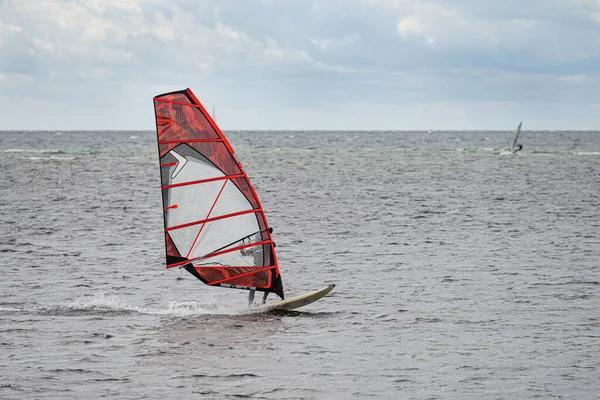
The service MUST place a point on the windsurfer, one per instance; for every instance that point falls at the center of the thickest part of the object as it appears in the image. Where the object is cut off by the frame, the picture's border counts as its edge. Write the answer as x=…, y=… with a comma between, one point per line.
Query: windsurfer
x=246, y=256
x=519, y=147
x=251, y=297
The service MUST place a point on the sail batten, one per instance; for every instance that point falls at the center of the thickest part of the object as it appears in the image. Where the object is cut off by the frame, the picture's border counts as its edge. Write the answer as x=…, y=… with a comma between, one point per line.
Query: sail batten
x=189, y=141
x=217, y=253
x=246, y=246
x=218, y=178
x=203, y=221
x=212, y=214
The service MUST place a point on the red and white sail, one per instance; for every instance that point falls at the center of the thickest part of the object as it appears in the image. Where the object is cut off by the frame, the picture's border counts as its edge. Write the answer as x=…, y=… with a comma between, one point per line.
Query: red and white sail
x=214, y=224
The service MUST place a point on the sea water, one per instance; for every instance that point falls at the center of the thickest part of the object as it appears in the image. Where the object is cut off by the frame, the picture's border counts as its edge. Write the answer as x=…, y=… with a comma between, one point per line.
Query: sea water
x=462, y=271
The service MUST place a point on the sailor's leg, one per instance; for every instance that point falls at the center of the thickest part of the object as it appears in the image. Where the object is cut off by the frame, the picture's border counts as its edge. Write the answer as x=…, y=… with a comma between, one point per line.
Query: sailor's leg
x=265, y=297
x=251, y=297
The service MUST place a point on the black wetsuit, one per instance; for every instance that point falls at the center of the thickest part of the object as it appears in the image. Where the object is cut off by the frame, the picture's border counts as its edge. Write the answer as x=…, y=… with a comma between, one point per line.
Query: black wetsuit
x=520, y=146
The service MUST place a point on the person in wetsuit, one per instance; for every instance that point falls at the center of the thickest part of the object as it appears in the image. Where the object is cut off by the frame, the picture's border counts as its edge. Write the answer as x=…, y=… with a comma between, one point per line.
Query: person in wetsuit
x=519, y=148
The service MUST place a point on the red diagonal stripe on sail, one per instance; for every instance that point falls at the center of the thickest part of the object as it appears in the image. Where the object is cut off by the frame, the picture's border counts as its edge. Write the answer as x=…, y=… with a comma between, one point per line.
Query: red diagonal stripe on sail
x=207, y=215
x=177, y=264
x=203, y=181
x=235, y=214
x=218, y=253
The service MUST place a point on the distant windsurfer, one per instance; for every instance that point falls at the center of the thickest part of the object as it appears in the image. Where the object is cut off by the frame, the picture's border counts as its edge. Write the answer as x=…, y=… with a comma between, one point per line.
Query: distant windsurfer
x=518, y=148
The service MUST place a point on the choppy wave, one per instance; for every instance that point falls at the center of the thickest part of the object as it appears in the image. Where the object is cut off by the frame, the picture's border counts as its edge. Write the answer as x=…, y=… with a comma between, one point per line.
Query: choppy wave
x=42, y=151
x=189, y=308
x=54, y=158
x=99, y=302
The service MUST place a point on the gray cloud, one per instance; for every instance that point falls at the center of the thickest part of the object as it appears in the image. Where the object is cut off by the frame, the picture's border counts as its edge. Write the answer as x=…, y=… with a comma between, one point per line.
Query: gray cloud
x=96, y=63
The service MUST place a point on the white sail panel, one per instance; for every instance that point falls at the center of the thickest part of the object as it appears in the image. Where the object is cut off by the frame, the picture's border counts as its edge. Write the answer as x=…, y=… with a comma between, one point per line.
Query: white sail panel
x=230, y=201
x=190, y=207
x=222, y=232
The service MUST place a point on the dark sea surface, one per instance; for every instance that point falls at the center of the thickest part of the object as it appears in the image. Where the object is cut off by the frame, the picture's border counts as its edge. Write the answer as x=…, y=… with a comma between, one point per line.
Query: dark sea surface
x=462, y=271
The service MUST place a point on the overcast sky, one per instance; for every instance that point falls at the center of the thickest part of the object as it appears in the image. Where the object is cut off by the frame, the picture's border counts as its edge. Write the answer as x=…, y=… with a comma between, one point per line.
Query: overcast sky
x=303, y=64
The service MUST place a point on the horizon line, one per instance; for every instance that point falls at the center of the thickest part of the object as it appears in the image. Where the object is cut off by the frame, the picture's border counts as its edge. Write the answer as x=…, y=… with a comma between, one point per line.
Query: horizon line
x=310, y=130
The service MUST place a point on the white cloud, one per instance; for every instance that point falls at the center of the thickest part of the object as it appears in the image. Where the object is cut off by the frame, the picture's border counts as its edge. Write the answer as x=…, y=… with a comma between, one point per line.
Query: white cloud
x=286, y=56
x=411, y=25
x=575, y=79
x=336, y=42
x=9, y=30
x=447, y=26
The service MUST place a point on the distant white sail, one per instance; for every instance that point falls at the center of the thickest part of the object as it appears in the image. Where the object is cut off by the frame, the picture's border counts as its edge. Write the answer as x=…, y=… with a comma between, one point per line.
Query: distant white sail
x=515, y=147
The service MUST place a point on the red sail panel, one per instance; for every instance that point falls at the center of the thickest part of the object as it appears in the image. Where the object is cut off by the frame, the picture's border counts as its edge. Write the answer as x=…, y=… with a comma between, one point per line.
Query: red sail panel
x=215, y=226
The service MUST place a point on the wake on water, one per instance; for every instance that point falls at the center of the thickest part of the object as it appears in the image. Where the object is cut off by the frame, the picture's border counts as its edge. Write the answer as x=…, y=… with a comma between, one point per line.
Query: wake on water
x=103, y=303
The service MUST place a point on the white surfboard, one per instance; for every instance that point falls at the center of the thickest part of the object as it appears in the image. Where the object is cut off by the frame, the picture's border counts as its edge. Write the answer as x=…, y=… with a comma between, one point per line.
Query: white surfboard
x=296, y=302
